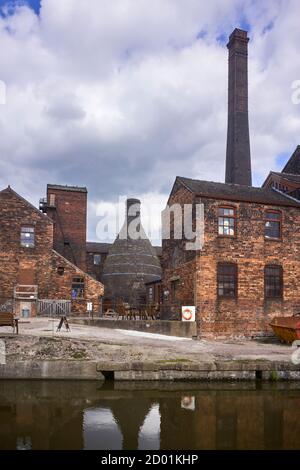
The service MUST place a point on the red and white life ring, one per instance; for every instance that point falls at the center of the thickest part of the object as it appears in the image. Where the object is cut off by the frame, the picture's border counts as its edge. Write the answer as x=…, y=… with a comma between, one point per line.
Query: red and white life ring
x=187, y=314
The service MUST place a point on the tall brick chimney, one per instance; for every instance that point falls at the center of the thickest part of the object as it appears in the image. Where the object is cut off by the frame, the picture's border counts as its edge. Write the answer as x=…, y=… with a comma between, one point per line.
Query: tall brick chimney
x=238, y=158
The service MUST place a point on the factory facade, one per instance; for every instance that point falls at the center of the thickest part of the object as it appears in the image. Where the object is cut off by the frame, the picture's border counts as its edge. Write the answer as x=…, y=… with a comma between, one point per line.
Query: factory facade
x=32, y=272
x=248, y=270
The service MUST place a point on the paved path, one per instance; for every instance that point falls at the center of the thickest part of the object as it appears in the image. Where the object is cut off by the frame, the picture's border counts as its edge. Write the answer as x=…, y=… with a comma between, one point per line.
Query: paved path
x=124, y=344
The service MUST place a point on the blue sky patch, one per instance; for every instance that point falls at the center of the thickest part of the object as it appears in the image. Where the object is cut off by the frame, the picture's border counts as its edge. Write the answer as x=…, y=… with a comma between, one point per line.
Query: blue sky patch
x=34, y=4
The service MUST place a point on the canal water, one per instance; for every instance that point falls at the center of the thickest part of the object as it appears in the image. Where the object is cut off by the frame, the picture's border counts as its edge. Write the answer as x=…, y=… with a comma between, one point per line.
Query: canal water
x=112, y=416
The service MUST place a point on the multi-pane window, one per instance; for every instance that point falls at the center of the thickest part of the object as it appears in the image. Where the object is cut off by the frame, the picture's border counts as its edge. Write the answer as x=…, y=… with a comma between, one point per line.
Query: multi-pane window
x=27, y=237
x=226, y=221
x=273, y=224
x=227, y=280
x=273, y=282
x=97, y=260
x=78, y=288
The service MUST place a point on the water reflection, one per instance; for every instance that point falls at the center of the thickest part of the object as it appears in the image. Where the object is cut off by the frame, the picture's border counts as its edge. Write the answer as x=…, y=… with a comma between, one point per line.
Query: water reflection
x=64, y=415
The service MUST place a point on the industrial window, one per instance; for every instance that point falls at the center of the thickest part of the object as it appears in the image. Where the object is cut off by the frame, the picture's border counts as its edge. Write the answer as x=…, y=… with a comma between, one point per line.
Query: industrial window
x=226, y=221
x=27, y=237
x=97, y=260
x=273, y=282
x=52, y=200
x=273, y=225
x=60, y=270
x=227, y=280
x=78, y=288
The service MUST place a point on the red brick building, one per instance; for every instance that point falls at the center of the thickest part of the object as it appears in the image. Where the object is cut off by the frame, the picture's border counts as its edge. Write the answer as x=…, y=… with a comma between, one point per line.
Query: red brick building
x=66, y=206
x=30, y=269
x=249, y=268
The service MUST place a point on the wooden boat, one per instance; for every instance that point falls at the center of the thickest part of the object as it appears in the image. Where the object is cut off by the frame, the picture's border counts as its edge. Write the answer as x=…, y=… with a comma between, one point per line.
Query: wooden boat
x=287, y=328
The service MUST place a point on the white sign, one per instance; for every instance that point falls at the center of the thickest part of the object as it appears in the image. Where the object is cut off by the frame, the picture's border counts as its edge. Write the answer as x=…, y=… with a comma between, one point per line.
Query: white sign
x=188, y=313
x=89, y=306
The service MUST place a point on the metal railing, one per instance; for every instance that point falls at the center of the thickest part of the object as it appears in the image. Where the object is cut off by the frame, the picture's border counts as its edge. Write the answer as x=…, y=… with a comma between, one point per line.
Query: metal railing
x=48, y=307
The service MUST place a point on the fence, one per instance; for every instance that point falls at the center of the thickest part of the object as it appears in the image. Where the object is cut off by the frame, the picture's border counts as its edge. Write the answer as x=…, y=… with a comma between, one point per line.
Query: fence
x=54, y=307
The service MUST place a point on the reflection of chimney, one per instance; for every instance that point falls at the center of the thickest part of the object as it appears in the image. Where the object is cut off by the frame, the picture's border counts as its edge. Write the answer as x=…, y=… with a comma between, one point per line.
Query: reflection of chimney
x=133, y=213
x=238, y=158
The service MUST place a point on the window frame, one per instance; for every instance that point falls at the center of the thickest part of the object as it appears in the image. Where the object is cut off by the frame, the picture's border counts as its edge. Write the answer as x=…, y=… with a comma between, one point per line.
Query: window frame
x=97, y=255
x=26, y=229
x=268, y=296
x=78, y=281
x=279, y=221
x=234, y=217
x=219, y=275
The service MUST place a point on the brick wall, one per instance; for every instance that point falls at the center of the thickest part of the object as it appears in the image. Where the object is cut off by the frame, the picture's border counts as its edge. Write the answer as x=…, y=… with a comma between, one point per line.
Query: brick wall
x=40, y=264
x=249, y=313
x=94, y=269
x=70, y=224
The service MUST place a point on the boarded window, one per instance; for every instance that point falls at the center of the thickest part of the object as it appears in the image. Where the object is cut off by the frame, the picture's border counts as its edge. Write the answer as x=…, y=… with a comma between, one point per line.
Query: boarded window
x=273, y=282
x=27, y=237
x=174, y=288
x=227, y=280
x=97, y=260
x=78, y=288
x=226, y=221
x=273, y=224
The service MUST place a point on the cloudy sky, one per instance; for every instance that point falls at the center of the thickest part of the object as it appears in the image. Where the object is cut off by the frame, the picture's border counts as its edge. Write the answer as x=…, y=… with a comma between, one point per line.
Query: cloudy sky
x=123, y=95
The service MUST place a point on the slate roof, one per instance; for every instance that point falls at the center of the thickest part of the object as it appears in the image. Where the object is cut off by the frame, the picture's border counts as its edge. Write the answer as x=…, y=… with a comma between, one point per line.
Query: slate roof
x=237, y=192
x=287, y=176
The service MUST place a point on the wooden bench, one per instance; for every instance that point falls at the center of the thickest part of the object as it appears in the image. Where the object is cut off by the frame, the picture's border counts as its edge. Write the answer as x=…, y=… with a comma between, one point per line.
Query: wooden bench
x=8, y=319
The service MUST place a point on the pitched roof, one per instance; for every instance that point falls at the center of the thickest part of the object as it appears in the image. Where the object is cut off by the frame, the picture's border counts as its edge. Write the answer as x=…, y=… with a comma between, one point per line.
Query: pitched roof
x=293, y=163
x=237, y=192
x=287, y=176
x=79, y=189
x=9, y=190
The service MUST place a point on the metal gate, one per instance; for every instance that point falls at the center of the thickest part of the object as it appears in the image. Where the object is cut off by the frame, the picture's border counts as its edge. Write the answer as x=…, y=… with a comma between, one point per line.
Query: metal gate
x=54, y=307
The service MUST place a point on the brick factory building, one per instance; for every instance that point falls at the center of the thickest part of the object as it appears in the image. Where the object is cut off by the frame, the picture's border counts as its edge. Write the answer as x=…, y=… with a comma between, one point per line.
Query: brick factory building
x=66, y=206
x=30, y=269
x=248, y=270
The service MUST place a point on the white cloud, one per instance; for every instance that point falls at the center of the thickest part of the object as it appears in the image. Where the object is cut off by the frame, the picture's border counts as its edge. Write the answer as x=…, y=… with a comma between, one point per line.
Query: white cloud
x=123, y=96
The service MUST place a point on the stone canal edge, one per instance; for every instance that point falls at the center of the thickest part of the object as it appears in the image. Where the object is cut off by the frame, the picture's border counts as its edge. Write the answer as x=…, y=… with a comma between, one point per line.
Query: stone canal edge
x=229, y=370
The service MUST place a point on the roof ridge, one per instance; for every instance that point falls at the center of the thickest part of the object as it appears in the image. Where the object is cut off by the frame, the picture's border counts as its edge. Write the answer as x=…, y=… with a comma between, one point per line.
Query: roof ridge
x=44, y=216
